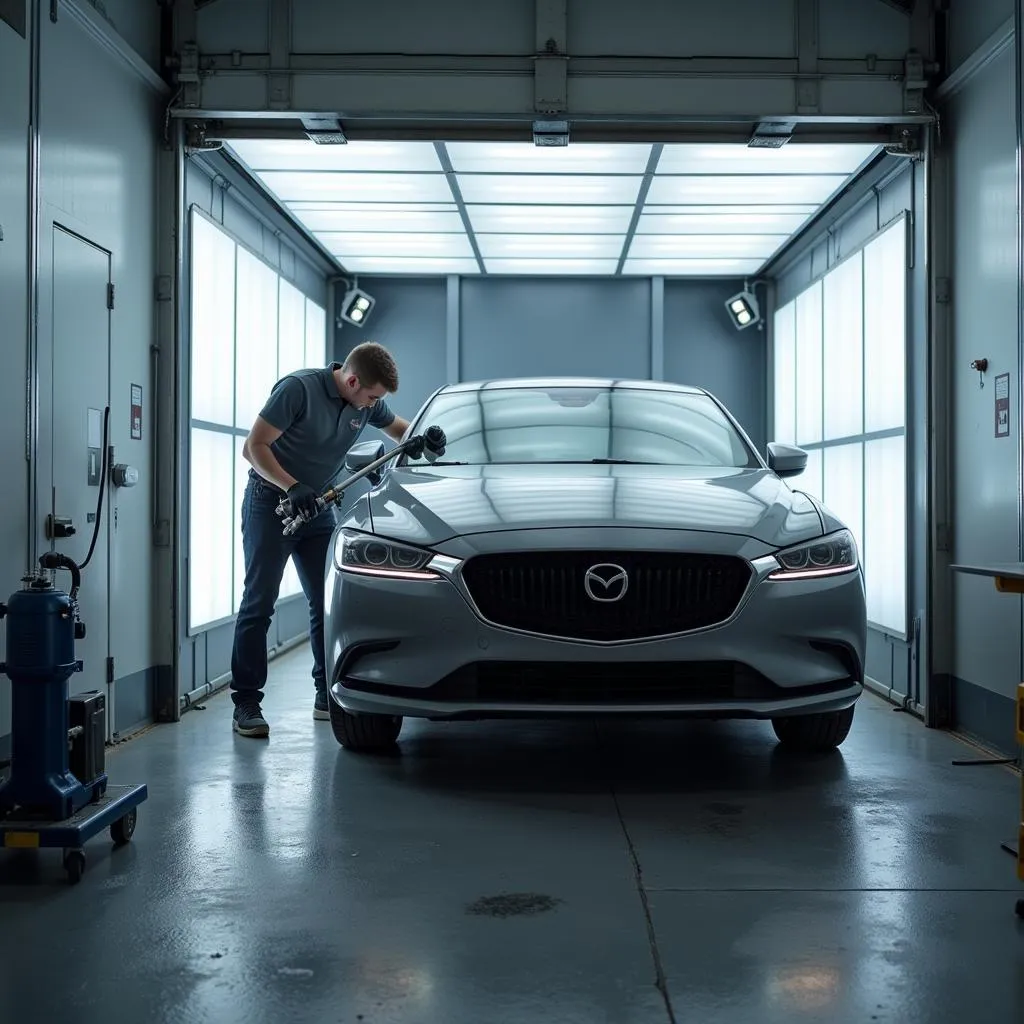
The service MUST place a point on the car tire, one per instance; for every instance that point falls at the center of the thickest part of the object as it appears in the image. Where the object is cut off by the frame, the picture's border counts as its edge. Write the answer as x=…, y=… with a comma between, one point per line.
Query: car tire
x=812, y=733
x=363, y=733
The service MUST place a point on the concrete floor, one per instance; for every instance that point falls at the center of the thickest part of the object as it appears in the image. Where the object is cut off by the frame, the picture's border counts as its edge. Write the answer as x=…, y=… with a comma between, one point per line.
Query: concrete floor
x=527, y=872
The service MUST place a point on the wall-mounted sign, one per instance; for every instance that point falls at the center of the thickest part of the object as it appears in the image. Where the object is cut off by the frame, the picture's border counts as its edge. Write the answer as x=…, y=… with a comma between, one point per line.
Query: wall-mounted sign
x=1003, y=405
x=136, y=412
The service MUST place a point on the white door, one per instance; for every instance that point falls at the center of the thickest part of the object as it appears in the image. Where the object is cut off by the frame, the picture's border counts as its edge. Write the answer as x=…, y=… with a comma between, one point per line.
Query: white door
x=81, y=394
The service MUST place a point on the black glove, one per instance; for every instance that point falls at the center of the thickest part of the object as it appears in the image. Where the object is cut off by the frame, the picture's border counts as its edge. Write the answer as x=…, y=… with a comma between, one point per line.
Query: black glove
x=303, y=501
x=435, y=440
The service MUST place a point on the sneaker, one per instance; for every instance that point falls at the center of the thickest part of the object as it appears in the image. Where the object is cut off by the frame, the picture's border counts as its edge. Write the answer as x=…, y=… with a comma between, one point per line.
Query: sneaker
x=248, y=720
x=320, y=710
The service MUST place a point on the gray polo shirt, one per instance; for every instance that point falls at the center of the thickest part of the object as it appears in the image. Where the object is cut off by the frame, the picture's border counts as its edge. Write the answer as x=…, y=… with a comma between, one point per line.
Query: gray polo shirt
x=318, y=425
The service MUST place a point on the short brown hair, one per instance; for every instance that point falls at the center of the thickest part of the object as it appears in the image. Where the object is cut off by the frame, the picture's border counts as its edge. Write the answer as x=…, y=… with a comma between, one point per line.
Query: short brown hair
x=373, y=364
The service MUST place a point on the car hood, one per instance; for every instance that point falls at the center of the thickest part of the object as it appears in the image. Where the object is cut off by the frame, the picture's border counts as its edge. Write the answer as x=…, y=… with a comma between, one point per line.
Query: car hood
x=431, y=505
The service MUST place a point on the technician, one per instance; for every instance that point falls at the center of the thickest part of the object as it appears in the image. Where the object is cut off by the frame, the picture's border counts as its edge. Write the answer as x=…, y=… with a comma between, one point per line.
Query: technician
x=297, y=449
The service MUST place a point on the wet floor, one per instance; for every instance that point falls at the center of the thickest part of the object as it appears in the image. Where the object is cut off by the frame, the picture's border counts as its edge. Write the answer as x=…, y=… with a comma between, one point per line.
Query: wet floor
x=523, y=872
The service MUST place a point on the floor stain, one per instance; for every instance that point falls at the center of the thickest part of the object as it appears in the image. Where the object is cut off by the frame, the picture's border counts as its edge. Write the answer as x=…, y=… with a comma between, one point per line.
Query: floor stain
x=513, y=904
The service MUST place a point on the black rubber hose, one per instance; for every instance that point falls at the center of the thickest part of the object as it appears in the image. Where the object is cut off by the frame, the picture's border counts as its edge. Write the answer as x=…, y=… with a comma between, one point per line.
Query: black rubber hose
x=104, y=472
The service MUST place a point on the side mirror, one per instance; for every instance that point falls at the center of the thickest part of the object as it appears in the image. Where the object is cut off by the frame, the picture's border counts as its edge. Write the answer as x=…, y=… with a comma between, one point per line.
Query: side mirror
x=786, y=459
x=361, y=455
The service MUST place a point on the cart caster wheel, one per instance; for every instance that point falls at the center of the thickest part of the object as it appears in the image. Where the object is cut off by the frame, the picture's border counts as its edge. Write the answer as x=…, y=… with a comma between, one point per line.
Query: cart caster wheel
x=74, y=865
x=1020, y=908
x=124, y=828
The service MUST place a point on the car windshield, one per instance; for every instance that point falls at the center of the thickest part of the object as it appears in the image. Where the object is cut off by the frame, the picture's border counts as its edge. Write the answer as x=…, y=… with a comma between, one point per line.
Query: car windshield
x=497, y=426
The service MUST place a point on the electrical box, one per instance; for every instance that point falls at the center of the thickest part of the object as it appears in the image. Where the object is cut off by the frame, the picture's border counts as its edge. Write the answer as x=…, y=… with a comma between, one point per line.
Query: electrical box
x=87, y=723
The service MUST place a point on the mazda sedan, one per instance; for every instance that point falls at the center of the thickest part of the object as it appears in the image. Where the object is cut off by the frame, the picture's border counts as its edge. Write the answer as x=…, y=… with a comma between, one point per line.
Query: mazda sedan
x=591, y=547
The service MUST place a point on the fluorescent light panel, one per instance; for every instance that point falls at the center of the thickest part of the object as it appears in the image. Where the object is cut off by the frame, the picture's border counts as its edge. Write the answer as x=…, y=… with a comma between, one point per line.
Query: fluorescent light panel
x=712, y=210
x=383, y=265
x=563, y=220
x=305, y=155
x=358, y=186
x=540, y=188
x=793, y=158
x=760, y=189
x=696, y=246
x=348, y=245
x=692, y=267
x=526, y=158
x=736, y=223
x=373, y=220
x=567, y=267
x=551, y=246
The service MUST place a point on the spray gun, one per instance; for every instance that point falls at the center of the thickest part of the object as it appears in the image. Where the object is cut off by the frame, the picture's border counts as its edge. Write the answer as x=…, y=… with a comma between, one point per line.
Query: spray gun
x=429, y=445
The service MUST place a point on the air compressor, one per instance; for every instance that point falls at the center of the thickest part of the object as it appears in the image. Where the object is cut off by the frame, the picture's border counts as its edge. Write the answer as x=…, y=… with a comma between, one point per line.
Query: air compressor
x=57, y=793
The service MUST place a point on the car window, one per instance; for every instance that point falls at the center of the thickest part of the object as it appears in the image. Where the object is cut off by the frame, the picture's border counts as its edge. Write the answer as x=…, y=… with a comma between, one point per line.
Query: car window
x=567, y=424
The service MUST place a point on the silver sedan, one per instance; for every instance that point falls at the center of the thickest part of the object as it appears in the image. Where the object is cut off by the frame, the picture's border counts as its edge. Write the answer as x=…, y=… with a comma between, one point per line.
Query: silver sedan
x=591, y=547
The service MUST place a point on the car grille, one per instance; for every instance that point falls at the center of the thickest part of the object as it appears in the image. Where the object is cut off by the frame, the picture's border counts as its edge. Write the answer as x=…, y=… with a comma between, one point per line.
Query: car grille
x=666, y=592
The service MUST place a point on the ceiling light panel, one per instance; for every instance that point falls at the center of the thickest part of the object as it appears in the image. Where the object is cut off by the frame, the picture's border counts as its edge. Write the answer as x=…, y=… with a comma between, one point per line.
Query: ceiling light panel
x=561, y=220
x=738, y=222
x=692, y=267
x=385, y=265
x=369, y=217
x=526, y=158
x=759, y=190
x=704, y=246
x=349, y=245
x=554, y=246
x=526, y=267
x=358, y=186
x=793, y=158
x=583, y=189
x=305, y=155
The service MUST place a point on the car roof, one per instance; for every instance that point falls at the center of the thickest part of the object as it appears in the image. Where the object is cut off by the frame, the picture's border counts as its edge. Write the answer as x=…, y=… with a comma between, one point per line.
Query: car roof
x=505, y=383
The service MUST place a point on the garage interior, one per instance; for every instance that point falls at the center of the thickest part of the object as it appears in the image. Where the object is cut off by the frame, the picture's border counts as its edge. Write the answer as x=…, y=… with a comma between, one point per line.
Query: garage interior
x=194, y=194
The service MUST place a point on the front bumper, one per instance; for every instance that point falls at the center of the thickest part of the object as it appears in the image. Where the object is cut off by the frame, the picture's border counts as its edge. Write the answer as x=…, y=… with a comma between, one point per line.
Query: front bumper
x=420, y=649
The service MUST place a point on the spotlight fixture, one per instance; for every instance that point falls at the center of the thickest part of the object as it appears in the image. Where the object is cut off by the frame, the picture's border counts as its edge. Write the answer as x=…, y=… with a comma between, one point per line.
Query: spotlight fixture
x=357, y=306
x=743, y=309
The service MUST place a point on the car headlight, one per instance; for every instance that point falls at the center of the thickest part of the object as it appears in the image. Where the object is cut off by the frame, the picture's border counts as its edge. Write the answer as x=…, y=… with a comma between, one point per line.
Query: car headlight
x=825, y=556
x=368, y=555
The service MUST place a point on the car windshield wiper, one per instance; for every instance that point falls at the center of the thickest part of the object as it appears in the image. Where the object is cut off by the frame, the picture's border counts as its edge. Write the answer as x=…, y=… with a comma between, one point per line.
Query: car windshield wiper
x=441, y=462
x=597, y=462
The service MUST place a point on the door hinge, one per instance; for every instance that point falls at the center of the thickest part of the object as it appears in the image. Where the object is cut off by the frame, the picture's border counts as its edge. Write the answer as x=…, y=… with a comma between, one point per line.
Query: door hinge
x=110, y=295
x=110, y=670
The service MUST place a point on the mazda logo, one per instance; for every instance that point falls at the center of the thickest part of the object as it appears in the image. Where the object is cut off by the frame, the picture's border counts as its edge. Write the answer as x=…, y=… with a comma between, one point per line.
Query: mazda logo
x=606, y=582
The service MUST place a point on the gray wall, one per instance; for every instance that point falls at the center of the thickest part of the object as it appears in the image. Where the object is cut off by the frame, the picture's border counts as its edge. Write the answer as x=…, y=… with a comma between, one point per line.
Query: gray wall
x=97, y=177
x=982, y=167
x=470, y=328
x=893, y=663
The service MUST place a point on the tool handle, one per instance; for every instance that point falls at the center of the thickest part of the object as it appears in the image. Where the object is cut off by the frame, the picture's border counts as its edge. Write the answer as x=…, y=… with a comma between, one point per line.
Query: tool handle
x=333, y=495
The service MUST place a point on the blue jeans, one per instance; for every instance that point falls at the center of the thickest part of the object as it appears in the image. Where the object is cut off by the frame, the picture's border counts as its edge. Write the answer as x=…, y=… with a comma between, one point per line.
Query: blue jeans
x=266, y=550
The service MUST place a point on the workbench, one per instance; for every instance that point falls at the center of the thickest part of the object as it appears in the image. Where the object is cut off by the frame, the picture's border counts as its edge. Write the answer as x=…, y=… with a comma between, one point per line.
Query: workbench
x=1009, y=579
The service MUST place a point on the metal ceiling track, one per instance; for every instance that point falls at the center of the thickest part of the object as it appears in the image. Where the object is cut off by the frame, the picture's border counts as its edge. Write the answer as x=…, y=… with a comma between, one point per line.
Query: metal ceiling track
x=231, y=91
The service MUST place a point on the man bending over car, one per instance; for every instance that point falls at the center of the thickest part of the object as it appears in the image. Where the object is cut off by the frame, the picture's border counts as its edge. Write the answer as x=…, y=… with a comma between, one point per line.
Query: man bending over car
x=297, y=449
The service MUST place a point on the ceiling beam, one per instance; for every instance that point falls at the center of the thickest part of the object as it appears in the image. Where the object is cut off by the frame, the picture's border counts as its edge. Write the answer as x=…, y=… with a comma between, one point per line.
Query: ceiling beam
x=641, y=199
x=453, y=183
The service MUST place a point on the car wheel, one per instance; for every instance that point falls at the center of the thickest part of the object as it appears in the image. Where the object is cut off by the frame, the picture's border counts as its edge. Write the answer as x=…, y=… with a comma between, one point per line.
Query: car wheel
x=363, y=733
x=823, y=731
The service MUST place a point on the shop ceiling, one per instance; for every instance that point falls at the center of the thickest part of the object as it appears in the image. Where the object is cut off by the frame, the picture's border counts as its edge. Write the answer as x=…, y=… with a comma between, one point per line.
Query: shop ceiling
x=562, y=136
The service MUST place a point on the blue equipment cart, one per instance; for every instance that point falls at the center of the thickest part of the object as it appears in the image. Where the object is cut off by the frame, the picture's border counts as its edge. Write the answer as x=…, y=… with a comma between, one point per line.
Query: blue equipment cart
x=57, y=794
